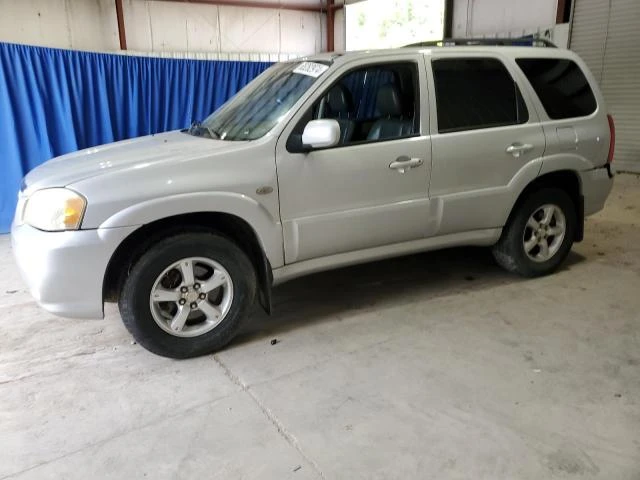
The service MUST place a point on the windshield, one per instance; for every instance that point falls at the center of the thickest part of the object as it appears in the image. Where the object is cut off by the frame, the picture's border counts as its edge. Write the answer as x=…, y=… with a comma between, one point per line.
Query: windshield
x=259, y=107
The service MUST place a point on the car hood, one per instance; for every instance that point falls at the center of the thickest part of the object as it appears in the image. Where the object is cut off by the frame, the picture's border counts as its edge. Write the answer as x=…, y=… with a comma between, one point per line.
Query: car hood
x=140, y=152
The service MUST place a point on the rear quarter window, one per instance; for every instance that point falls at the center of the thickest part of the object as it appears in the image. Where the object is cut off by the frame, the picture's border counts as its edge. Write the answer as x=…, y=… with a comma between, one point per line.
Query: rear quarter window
x=560, y=85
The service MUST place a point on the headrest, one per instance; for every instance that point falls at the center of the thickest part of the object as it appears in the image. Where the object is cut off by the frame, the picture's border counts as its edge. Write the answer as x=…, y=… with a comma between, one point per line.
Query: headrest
x=339, y=100
x=388, y=101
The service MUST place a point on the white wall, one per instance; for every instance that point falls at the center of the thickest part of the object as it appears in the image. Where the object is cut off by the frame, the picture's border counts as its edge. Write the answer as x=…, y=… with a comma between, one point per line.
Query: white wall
x=83, y=24
x=154, y=26
x=475, y=18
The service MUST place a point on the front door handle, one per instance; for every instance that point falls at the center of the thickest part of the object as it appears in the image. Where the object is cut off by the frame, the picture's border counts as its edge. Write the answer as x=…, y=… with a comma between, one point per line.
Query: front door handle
x=517, y=149
x=404, y=163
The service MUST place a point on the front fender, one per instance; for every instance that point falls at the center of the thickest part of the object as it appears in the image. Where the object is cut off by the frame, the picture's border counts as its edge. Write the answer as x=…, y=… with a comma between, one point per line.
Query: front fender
x=266, y=227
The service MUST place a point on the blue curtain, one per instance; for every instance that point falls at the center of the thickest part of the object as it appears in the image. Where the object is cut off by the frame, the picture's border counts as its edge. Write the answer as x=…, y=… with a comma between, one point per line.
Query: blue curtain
x=57, y=101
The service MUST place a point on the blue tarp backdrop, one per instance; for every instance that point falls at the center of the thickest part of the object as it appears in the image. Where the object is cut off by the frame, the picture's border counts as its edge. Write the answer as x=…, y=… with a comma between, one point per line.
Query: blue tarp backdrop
x=57, y=101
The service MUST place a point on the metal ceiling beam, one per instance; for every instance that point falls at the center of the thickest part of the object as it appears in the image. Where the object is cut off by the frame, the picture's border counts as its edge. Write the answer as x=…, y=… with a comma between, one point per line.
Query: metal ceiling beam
x=563, y=12
x=447, y=27
x=121, y=31
x=300, y=7
x=331, y=16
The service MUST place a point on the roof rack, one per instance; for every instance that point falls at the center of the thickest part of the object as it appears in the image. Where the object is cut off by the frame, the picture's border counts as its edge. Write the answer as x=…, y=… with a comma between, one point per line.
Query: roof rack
x=528, y=41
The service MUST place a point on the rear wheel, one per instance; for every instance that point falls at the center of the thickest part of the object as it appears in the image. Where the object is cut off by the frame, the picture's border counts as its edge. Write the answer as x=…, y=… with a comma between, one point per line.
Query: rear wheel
x=187, y=295
x=539, y=235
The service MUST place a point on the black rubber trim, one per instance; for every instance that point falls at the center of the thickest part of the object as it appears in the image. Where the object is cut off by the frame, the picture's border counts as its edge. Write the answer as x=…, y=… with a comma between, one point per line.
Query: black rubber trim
x=580, y=219
x=608, y=166
x=265, y=282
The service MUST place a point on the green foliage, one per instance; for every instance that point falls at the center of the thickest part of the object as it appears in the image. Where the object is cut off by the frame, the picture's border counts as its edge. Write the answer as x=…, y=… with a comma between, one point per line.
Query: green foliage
x=362, y=19
x=403, y=15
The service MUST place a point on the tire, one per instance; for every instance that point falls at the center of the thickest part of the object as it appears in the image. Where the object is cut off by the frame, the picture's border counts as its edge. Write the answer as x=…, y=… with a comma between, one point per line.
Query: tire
x=511, y=250
x=175, y=328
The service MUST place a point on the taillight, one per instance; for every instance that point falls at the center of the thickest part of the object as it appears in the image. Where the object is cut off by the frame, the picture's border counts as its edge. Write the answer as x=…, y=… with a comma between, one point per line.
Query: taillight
x=612, y=142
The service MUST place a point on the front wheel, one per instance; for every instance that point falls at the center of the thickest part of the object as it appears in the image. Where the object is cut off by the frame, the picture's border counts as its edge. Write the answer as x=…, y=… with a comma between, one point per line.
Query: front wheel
x=540, y=234
x=187, y=295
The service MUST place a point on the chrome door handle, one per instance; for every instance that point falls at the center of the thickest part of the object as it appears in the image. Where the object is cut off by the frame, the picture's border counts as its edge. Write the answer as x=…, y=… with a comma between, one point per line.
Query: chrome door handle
x=404, y=163
x=517, y=149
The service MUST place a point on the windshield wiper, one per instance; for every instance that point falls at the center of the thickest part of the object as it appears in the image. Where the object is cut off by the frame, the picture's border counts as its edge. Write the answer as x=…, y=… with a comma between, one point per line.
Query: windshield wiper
x=197, y=129
x=194, y=129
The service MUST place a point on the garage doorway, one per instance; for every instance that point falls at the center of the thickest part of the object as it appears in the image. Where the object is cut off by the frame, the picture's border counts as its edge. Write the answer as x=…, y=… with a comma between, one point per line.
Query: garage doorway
x=606, y=35
x=375, y=24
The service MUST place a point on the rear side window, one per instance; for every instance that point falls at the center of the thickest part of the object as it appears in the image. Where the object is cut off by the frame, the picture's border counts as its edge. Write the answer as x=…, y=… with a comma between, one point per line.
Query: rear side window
x=561, y=86
x=474, y=93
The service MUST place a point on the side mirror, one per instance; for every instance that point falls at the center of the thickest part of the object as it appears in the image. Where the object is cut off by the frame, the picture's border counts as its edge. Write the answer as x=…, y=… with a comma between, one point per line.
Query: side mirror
x=321, y=134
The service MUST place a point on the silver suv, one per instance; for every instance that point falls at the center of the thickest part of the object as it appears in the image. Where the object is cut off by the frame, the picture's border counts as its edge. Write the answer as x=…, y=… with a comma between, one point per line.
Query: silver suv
x=319, y=163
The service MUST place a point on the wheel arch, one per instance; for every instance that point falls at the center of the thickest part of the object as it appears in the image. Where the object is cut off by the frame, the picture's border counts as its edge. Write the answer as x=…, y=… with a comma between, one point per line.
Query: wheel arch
x=566, y=180
x=229, y=225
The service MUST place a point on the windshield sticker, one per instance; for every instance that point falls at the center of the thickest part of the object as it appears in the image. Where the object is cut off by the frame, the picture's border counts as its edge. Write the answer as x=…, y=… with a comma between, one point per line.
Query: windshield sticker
x=311, y=69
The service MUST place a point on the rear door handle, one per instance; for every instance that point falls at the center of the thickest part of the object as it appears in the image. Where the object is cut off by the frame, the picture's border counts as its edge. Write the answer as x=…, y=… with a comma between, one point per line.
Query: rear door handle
x=517, y=149
x=404, y=163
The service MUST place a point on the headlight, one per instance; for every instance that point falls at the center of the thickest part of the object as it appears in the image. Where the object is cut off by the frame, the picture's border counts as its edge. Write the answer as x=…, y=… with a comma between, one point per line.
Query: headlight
x=55, y=209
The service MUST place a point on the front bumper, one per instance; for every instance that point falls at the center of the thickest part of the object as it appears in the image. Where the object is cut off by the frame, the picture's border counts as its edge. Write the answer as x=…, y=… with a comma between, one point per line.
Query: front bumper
x=65, y=270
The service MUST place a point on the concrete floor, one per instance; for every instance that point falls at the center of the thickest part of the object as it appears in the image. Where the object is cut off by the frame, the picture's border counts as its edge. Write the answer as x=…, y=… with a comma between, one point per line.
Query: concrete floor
x=436, y=366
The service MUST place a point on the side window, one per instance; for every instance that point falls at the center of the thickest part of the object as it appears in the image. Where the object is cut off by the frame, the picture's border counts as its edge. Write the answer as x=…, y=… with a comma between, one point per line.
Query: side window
x=474, y=93
x=561, y=86
x=374, y=103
